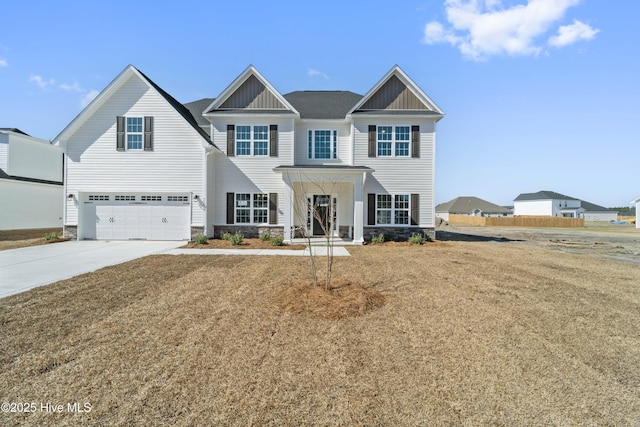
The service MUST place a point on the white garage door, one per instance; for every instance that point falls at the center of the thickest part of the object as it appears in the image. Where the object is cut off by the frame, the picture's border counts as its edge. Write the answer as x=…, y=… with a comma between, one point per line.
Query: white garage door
x=137, y=216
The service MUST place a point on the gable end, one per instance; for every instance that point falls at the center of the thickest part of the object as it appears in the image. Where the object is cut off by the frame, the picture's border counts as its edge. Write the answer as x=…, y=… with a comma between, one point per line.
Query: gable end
x=394, y=95
x=253, y=95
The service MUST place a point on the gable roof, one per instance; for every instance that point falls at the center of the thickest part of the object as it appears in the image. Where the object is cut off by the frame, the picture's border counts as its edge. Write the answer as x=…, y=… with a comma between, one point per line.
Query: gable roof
x=396, y=93
x=469, y=205
x=320, y=104
x=14, y=130
x=250, y=92
x=196, y=108
x=543, y=195
x=592, y=207
x=107, y=92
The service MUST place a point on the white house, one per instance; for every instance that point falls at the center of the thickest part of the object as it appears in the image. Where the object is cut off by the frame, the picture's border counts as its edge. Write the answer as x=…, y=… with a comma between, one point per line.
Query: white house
x=140, y=165
x=637, y=203
x=30, y=182
x=471, y=206
x=549, y=203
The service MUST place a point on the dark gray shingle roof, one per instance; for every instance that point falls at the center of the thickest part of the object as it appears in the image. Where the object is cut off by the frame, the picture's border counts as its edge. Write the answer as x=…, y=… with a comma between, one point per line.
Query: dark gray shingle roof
x=319, y=104
x=16, y=130
x=591, y=207
x=181, y=109
x=196, y=108
x=543, y=195
x=470, y=204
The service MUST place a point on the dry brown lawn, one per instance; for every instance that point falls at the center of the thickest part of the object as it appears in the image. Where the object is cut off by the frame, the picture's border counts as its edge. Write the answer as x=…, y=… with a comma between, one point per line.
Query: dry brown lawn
x=470, y=334
x=13, y=239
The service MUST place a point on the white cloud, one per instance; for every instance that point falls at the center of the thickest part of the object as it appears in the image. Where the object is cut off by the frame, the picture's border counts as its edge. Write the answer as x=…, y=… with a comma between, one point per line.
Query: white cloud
x=483, y=28
x=3, y=63
x=88, y=97
x=42, y=83
x=569, y=34
x=316, y=73
x=74, y=87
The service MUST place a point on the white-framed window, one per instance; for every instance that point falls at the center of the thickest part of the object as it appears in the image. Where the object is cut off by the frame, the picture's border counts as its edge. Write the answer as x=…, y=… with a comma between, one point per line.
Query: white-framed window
x=252, y=140
x=393, y=209
x=135, y=133
x=98, y=197
x=151, y=198
x=177, y=198
x=322, y=144
x=251, y=208
x=393, y=141
x=126, y=198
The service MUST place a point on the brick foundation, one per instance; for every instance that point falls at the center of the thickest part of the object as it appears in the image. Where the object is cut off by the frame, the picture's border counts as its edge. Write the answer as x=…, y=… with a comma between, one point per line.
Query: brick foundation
x=249, y=231
x=70, y=232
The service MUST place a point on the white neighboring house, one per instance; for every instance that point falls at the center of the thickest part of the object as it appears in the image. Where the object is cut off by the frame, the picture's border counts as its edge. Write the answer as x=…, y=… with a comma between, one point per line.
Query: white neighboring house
x=140, y=165
x=30, y=182
x=549, y=203
x=637, y=203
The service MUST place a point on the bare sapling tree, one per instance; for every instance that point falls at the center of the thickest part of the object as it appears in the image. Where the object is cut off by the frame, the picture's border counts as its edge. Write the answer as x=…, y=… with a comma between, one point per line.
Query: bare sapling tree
x=317, y=210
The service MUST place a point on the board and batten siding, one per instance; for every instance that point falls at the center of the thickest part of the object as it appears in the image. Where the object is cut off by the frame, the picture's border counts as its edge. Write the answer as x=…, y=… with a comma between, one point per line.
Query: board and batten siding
x=174, y=165
x=302, y=141
x=400, y=175
x=248, y=174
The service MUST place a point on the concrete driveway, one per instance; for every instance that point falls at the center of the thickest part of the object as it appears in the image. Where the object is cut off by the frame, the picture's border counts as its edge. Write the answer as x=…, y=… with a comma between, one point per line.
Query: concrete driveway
x=26, y=268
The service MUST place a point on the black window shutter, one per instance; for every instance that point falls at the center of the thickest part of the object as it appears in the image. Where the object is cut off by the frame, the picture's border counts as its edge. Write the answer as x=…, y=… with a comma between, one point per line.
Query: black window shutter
x=415, y=141
x=148, y=134
x=230, y=208
x=372, y=141
x=120, y=133
x=415, y=209
x=273, y=140
x=231, y=141
x=371, y=209
x=273, y=208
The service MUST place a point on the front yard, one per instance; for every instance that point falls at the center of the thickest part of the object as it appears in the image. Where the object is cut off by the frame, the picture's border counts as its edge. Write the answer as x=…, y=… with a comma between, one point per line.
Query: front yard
x=470, y=333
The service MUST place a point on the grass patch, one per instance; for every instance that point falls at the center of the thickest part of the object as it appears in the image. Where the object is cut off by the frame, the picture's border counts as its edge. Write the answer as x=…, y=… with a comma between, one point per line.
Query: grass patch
x=469, y=333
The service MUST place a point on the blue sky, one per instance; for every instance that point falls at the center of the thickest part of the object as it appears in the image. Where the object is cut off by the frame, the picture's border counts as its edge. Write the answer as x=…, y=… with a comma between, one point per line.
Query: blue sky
x=538, y=94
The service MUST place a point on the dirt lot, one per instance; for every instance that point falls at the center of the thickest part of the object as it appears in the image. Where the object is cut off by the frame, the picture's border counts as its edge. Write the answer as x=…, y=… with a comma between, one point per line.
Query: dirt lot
x=484, y=330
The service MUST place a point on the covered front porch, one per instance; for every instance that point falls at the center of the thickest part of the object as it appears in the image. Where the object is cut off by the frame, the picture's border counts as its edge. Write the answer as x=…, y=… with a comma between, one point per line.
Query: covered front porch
x=324, y=201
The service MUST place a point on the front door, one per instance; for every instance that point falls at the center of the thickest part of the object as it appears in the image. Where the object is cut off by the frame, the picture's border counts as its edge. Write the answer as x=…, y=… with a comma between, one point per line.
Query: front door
x=320, y=214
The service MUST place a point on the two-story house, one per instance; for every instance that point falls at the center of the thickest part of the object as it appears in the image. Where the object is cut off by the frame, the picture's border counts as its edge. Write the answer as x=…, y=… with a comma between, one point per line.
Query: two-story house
x=140, y=165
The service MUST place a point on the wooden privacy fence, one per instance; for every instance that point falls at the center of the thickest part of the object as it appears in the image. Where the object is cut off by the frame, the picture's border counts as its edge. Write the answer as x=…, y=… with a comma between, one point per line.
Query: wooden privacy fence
x=518, y=221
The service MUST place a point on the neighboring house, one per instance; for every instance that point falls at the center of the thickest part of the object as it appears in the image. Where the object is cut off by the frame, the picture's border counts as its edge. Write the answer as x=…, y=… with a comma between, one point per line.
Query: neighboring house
x=594, y=212
x=141, y=165
x=637, y=209
x=30, y=182
x=471, y=206
x=549, y=203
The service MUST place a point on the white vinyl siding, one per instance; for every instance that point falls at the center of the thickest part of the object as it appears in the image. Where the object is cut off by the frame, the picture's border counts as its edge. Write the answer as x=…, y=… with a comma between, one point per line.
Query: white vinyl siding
x=249, y=174
x=174, y=166
x=408, y=175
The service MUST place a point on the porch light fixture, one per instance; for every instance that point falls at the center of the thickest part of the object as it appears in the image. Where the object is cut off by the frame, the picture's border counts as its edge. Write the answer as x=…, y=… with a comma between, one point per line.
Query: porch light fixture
x=70, y=196
x=196, y=197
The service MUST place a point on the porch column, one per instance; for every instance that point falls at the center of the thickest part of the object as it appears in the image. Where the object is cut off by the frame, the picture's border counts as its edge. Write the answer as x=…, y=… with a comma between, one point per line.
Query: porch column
x=358, y=208
x=288, y=209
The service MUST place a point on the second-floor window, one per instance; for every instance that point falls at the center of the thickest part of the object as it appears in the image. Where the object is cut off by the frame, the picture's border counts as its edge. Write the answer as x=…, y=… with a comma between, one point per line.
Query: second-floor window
x=134, y=133
x=393, y=141
x=322, y=144
x=252, y=140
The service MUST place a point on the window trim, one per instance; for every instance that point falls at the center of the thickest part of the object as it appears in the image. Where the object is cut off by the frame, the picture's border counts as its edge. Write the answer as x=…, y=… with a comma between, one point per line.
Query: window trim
x=251, y=208
x=394, y=141
x=393, y=210
x=252, y=140
x=311, y=144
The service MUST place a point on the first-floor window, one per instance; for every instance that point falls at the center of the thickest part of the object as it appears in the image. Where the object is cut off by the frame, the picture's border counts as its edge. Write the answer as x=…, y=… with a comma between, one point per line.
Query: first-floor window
x=392, y=209
x=251, y=208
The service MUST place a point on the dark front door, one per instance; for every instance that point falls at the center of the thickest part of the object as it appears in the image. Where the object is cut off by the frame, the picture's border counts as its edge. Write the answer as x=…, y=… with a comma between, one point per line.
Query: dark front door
x=321, y=214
